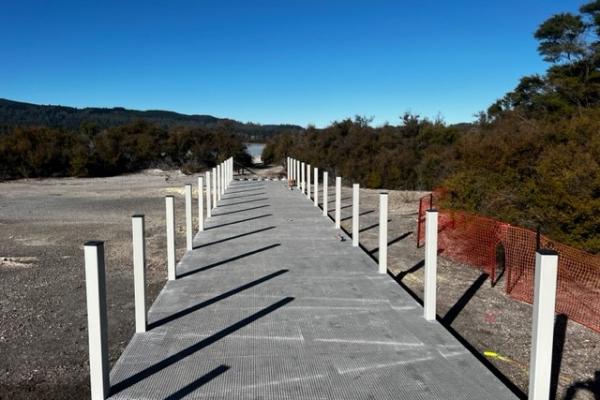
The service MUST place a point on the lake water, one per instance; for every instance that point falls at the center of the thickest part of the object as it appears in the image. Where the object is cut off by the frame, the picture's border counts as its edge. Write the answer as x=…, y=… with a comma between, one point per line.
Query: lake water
x=255, y=150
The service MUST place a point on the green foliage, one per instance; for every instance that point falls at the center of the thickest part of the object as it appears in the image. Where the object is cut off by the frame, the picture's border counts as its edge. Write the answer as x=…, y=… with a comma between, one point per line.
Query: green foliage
x=43, y=151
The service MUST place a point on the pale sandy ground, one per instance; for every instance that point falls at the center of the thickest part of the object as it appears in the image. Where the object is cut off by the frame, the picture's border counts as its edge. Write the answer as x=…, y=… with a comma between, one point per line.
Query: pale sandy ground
x=43, y=328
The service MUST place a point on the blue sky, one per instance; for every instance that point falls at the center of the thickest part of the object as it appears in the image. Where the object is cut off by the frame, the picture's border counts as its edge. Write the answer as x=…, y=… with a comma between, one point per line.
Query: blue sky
x=301, y=62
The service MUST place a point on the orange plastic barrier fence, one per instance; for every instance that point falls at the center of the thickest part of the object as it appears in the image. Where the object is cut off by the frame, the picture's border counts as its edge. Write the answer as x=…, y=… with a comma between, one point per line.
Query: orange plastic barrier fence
x=501, y=249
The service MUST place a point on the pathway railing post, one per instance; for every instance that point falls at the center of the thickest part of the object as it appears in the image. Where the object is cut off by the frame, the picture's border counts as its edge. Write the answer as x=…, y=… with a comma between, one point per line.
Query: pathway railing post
x=139, y=271
x=355, y=213
x=208, y=196
x=338, y=202
x=308, y=181
x=316, y=187
x=214, y=188
x=325, y=194
x=299, y=175
x=219, y=182
x=303, y=171
x=170, y=218
x=223, y=183
x=95, y=289
x=542, y=332
x=431, y=248
x=189, y=234
x=200, y=204
x=383, y=232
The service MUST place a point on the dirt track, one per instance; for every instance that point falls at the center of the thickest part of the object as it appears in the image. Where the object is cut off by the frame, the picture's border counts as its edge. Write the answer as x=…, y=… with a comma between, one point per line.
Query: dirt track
x=43, y=328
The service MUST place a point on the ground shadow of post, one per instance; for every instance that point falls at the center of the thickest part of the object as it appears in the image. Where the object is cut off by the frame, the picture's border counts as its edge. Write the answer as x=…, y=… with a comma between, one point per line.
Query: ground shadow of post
x=170, y=360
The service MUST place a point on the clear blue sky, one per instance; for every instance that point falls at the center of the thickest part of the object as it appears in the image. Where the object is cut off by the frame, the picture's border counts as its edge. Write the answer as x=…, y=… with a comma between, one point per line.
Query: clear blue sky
x=309, y=61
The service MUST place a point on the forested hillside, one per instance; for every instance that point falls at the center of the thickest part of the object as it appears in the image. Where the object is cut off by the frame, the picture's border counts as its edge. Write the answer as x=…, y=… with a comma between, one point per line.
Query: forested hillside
x=14, y=113
x=531, y=158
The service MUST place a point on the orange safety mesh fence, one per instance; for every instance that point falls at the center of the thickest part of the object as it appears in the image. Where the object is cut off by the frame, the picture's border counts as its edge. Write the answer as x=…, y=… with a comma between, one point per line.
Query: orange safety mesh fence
x=496, y=247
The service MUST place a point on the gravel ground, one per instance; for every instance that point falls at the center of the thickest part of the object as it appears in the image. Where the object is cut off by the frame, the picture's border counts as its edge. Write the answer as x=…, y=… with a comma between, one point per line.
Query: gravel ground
x=43, y=327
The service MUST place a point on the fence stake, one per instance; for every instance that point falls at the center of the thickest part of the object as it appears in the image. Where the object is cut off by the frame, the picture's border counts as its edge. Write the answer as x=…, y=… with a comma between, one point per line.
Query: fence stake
x=303, y=166
x=542, y=335
x=139, y=271
x=383, y=232
x=338, y=202
x=95, y=289
x=325, y=194
x=208, y=206
x=170, y=201
x=431, y=245
x=355, y=212
x=316, y=187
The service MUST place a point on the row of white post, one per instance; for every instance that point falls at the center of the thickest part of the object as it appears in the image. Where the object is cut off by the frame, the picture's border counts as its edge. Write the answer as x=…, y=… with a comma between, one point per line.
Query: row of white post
x=214, y=184
x=546, y=269
x=300, y=173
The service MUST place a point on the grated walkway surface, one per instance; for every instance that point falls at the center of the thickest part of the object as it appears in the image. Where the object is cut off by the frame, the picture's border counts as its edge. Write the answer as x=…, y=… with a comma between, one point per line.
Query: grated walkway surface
x=272, y=305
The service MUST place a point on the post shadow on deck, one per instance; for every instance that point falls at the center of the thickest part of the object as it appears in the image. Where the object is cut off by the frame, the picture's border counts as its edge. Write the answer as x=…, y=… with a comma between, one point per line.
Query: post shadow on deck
x=222, y=296
x=199, y=382
x=159, y=366
x=233, y=237
x=243, y=210
x=216, y=264
x=239, y=221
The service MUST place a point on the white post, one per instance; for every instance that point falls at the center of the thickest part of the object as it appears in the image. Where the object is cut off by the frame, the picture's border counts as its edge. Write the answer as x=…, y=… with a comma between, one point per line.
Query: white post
x=139, y=271
x=431, y=247
x=287, y=168
x=325, y=196
x=308, y=181
x=383, y=232
x=219, y=182
x=214, y=188
x=316, y=187
x=188, y=217
x=355, y=216
x=170, y=201
x=303, y=172
x=222, y=179
x=299, y=175
x=208, y=197
x=200, y=204
x=95, y=290
x=338, y=202
x=542, y=332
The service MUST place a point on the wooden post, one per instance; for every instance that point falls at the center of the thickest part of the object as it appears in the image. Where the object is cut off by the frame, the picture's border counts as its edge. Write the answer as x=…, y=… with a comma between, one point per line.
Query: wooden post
x=200, y=204
x=208, y=196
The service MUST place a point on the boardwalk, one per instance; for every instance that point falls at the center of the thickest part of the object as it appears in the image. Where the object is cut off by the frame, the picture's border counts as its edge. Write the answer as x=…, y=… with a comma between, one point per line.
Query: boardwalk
x=270, y=304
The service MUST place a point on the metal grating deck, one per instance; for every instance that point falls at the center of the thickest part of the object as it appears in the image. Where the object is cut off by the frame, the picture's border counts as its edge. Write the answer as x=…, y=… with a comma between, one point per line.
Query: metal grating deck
x=271, y=305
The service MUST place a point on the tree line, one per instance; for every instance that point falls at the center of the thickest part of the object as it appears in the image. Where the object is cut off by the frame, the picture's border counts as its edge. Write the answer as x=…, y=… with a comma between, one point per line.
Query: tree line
x=533, y=158
x=41, y=151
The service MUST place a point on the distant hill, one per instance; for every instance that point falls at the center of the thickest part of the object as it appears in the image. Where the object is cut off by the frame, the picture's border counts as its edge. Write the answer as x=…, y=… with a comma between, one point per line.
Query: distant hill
x=14, y=113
